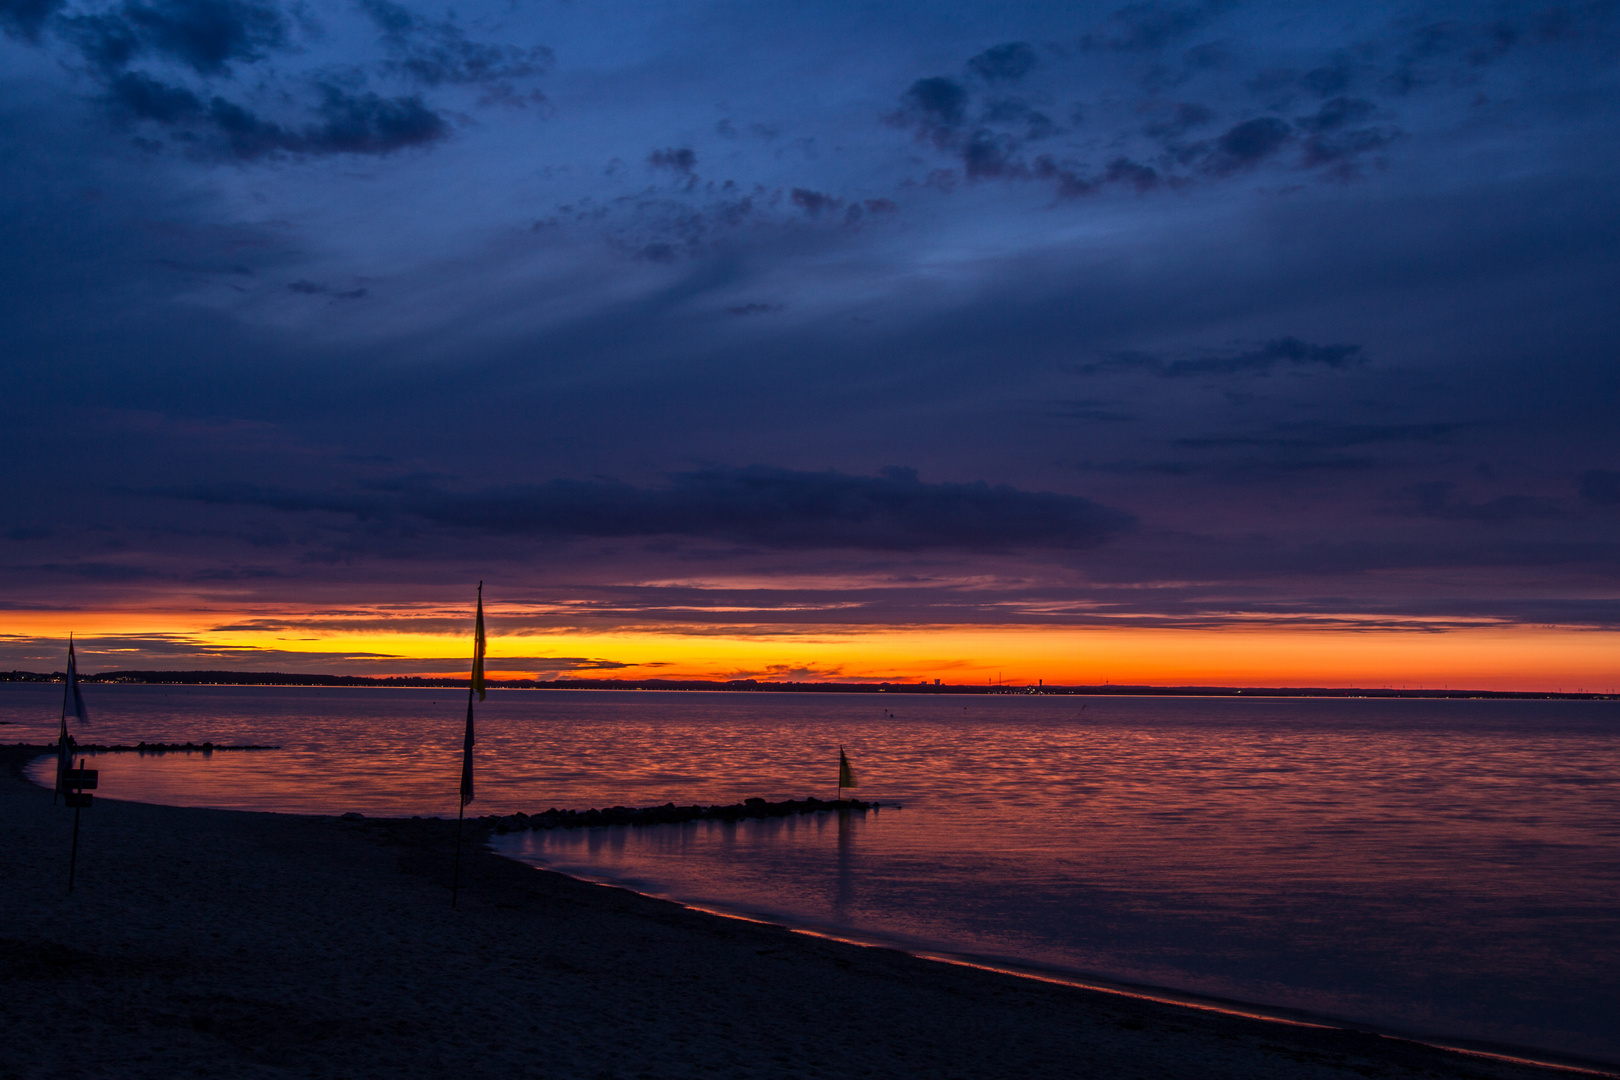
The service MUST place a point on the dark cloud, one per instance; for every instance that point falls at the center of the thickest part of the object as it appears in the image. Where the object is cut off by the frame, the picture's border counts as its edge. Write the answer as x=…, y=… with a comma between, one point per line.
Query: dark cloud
x=1329, y=79
x=814, y=203
x=1318, y=436
x=208, y=34
x=369, y=124
x=348, y=123
x=937, y=102
x=204, y=35
x=439, y=52
x=144, y=98
x=782, y=508
x=1012, y=113
x=1174, y=121
x=1247, y=144
x=1336, y=114
x=1148, y=26
x=25, y=18
x=1263, y=360
x=1342, y=151
x=1125, y=171
x=1004, y=63
x=1601, y=486
x=103, y=571
x=767, y=507
x=989, y=154
x=1434, y=52
x=1091, y=409
x=677, y=159
x=210, y=37
x=1438, y=499
x=993, y=137
x=311, y=288
x=108, y=40
x=1332, y=137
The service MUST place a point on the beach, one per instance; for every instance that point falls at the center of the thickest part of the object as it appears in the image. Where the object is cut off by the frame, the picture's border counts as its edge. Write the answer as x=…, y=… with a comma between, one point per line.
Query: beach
x=227, y=943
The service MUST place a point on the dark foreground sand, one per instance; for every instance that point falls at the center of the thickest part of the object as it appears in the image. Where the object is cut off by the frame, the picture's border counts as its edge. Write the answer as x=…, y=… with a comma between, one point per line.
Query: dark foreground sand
x=218, y=943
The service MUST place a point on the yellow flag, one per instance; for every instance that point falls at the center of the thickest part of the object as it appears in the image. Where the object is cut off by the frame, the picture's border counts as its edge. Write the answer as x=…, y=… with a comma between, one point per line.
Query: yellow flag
x=846, y=775
x=478, y=647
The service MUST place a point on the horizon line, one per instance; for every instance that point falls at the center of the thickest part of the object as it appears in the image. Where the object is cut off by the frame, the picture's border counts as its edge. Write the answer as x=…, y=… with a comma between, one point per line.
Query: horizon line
x=221, y=677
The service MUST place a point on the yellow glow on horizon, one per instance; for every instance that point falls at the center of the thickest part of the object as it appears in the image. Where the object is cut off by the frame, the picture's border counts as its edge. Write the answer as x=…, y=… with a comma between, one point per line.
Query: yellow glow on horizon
x=1237, y=654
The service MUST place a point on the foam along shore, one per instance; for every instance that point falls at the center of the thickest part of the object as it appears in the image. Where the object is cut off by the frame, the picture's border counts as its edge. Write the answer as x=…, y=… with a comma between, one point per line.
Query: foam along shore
x=229, y=943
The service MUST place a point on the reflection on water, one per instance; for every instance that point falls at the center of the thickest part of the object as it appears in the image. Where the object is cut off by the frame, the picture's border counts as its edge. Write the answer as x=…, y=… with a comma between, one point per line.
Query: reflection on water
x=1445, y=867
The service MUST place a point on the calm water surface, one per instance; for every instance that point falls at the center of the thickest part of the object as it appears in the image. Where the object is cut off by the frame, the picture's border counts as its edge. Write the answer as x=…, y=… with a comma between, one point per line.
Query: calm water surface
x=1447, y=868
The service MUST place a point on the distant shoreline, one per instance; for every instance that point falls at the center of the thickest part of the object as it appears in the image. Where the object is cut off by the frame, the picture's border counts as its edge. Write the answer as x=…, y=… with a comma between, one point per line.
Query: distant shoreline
x=313, y=679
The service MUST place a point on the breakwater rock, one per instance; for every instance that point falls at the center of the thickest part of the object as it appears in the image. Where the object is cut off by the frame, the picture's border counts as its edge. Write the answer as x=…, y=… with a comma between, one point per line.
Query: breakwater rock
x=670, y=814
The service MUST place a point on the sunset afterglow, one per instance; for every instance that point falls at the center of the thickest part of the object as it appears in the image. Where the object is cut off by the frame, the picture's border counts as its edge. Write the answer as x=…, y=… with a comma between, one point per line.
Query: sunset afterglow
x=1236, y=653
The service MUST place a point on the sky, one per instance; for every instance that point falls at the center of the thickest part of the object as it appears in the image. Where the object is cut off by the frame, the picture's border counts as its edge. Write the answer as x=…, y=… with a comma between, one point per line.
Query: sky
x=1224, y=343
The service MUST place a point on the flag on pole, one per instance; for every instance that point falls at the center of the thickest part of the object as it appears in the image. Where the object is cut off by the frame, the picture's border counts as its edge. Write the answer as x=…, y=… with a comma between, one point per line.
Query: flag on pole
x=846, y=775
x=476, y=686
x=72, y=701
x=478, y=646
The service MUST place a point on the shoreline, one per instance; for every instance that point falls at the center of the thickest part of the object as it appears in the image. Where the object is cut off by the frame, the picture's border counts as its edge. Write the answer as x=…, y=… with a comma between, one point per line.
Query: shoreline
x=255, y=944
x=1103, y=984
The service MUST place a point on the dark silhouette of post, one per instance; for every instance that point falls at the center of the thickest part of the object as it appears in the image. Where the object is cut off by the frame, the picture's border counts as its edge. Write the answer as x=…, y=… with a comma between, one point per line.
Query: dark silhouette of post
x=74, y=783
x=73, y=857
x=71, y=698
x=64, y=752
x=475, y=685
x=70, y=782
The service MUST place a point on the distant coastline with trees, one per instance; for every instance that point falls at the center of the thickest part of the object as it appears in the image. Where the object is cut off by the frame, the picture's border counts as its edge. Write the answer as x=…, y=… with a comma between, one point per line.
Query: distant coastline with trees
x=290, y=679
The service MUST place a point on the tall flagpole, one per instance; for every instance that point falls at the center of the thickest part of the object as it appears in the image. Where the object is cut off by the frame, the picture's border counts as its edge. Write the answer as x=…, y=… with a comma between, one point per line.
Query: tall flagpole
x=73, y=858
x=475, y=685
x=64, y=755
x=71, y=782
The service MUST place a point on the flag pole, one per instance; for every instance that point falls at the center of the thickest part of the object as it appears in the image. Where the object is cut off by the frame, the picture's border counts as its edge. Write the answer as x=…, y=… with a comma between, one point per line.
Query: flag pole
x=73, y=858
x=461, y=803
x=475, y=685
x=63, y=760
x=455, y=879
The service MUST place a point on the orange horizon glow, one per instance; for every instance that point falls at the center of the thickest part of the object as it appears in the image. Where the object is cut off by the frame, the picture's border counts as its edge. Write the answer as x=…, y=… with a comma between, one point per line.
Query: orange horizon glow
x=1237, y=653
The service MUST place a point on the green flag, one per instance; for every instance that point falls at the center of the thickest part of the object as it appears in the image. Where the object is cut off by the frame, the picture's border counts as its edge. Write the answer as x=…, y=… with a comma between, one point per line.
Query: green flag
x=846, y=775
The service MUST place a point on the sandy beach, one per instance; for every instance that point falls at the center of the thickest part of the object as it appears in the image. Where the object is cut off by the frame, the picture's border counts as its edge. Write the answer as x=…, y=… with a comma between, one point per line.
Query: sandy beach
x=232, y=944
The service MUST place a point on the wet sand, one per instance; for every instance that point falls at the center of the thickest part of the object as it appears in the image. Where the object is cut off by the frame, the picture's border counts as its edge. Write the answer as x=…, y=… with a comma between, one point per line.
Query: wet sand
x=216, y=943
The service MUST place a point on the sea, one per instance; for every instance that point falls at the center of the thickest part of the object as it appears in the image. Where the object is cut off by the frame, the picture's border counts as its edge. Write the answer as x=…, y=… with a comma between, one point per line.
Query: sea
x=1444, y=869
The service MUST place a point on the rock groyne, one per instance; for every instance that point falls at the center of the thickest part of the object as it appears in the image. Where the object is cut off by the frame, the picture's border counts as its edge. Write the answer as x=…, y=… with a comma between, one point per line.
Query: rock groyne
x=160, y=748
x=670, y=814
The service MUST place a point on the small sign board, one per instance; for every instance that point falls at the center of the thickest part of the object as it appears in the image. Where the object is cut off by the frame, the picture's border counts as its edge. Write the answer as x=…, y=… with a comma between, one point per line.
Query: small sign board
x=82, y=779
x=73, y=798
